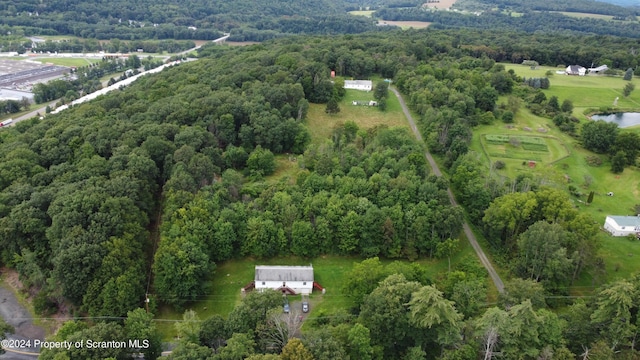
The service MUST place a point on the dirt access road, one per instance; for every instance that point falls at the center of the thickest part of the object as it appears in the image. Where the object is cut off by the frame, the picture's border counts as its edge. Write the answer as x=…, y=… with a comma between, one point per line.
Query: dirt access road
x=436, y=170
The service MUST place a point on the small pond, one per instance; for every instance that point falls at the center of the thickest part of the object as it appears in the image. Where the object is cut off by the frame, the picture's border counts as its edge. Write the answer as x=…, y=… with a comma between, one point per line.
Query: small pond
x=622, y=119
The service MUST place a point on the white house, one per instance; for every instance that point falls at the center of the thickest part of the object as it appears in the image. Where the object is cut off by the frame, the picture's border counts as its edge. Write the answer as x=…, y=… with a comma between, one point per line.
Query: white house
x=365, y=85
x=575, y=70
x=622, y=225
x=290, y=279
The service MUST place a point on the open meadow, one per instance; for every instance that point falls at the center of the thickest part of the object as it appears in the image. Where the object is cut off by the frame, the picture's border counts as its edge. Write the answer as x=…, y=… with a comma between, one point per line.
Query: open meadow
x=405, y=24
x=586, y=92
x=322, y=124
x=69, y=62
x=561, y=160
x=329, y=271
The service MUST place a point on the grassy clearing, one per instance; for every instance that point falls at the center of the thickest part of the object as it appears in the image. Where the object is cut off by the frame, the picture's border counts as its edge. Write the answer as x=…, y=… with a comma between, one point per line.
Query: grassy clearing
x=586, y=92
x=330, y=272
x=585, y=15
x=406, y=24
x=322, y=124
x=366, y=13
x=517, y=150
x=77, y=62
x=286, y=169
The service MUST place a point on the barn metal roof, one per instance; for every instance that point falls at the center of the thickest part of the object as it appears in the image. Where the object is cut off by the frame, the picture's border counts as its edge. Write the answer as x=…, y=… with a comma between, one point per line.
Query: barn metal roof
x=626, y=220
x=284, y=273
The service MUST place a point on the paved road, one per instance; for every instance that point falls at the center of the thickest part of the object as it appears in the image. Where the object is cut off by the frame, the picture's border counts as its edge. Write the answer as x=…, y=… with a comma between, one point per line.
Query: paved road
x=18, y=317
x=436, y=170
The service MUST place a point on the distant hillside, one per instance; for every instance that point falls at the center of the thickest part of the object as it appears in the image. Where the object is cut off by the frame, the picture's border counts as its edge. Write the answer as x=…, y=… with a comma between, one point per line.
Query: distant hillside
x=584, y=6
x=188, y=19
x=629, y=3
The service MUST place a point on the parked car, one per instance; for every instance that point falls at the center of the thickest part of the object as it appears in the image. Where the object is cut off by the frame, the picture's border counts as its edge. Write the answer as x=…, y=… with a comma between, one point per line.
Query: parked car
x=286, y=308
x=305, y=306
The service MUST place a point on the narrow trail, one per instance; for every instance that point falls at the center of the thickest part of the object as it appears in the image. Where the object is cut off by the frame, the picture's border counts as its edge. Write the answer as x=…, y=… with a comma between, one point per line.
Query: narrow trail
x=436, y=170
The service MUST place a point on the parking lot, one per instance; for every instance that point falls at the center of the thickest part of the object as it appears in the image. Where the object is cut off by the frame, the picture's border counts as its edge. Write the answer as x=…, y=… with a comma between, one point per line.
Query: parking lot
x=21, y=75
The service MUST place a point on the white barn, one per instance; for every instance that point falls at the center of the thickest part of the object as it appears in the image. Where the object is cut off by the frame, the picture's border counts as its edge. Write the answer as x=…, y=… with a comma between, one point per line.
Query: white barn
x=575, y=70
x=365, y=85
x=291, y=279
x=622, y=225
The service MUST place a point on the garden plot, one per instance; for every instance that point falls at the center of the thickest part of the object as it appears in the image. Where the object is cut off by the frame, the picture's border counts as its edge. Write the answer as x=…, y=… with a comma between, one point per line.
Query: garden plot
x=523, y=148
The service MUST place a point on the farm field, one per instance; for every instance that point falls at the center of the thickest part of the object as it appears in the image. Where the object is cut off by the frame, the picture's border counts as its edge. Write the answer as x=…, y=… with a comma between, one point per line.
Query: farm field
x=585, y=15
x=522, y=150
x=440, y=4
x=570, y=164
x=405, y=24
x=586, y=92
x=366, y=13
x=401, y=24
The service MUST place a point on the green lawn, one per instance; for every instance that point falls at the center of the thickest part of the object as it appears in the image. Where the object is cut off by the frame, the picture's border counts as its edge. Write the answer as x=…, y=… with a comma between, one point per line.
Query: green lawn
x=518, y=148
x=585, y=92
x=330, y=272
x=63, y=61
x=321, y=124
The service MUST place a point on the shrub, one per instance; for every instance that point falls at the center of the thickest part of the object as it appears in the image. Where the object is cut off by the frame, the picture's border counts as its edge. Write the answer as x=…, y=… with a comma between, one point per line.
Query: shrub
x=499, y=164
x=507, y=117
x=574, y=191
x=593, y=160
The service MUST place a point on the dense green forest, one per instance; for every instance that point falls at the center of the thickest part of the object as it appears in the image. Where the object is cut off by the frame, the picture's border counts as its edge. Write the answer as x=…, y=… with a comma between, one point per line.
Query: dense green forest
x=581, y=6
x=203, y=20
x=143, y=191
x=543, y=22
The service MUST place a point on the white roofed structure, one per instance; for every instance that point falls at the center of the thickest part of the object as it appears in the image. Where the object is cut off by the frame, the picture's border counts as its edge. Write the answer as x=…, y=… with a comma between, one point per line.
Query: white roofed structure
x=288, y=279
x=622, y=225
x=365, y=85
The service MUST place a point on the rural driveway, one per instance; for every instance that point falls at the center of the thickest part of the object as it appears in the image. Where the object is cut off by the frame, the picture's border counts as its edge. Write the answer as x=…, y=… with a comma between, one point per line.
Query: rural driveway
x=436, y=170
x=17, y=316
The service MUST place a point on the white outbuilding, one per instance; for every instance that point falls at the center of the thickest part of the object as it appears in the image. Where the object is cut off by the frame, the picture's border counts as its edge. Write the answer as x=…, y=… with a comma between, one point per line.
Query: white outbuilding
x=365, y=85
x=622, y=225
x=288, y=279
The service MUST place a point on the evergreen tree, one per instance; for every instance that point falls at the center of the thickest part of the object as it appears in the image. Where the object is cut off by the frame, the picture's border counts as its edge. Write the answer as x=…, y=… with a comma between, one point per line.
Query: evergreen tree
x=628, y=88
x=332, y=106
x=628, y=75
x=618, y=162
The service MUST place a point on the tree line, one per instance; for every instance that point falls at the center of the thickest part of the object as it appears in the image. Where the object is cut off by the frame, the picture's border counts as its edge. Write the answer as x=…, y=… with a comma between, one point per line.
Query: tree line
x=530, y=21
x=177, y=160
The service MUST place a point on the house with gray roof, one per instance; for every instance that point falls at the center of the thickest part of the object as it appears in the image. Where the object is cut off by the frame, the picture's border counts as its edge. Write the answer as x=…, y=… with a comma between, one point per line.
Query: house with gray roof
x=575, y=70
x=622, y=225
x=288, y=279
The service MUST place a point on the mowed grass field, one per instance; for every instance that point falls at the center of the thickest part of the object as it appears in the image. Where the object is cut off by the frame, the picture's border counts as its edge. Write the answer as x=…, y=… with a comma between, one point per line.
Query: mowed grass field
x=321, y=124
x=405, y=24
x=70, y=62
x=329, y=271
x=366, y=13
x=622, y=257
x=586, y=92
